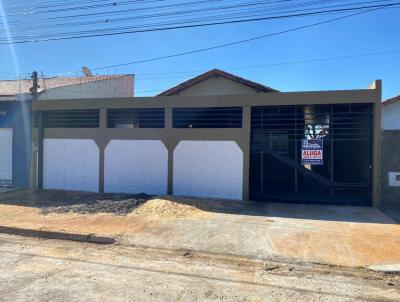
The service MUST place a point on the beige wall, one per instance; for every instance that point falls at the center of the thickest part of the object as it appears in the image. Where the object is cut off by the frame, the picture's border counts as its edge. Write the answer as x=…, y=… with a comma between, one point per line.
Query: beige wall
x=171, y=136
x=217, y=86
x=116, y=87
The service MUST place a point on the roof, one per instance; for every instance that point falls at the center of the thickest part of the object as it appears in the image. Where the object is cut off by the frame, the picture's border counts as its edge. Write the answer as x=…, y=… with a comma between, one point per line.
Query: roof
x=391, y=100
x=216, y=73
x=14, y=87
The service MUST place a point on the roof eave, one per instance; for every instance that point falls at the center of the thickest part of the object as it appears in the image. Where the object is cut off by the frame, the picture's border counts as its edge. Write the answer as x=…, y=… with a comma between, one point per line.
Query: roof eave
x=214, y=73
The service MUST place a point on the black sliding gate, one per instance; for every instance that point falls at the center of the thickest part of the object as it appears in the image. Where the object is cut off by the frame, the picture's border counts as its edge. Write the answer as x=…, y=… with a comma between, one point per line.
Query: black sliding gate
x=276, y=170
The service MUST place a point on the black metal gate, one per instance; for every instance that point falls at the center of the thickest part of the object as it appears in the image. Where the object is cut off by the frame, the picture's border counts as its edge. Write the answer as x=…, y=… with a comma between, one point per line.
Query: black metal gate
x=276, y=172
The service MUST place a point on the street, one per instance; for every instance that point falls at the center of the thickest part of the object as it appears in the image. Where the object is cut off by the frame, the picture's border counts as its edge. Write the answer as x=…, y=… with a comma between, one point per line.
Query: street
x=51, y=270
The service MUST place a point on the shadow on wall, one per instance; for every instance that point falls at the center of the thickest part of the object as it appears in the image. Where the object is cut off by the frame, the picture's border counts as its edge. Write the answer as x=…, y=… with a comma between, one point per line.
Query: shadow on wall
x=55, y=198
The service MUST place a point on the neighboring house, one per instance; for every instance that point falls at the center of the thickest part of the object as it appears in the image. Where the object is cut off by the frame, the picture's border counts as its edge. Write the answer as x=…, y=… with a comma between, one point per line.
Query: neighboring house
x=15, y=115
x=217, y=136
x=15, y=142
x=70, y=87
x=391, y=151
x=217, y=82
x=391, y=113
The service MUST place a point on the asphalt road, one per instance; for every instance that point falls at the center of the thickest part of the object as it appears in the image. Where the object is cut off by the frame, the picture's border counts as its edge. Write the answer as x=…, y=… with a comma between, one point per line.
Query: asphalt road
x=51, y=270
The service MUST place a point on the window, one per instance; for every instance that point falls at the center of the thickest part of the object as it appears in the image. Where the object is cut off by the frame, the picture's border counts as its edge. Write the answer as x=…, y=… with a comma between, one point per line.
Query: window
x=86, y=118
x=136, y=118
x=277, y=141
x=215, y=117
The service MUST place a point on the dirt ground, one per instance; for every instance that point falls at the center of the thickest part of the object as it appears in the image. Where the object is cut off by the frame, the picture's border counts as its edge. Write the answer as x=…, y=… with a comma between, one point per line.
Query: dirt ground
x=52, y=270
x=348, y=236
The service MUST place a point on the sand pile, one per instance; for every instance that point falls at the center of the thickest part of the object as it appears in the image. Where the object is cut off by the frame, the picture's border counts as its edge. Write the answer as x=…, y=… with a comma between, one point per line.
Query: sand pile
x=169, y=209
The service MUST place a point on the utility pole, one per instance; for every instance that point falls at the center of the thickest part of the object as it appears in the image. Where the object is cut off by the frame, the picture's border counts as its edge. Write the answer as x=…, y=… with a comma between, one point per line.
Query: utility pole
x=35, y=84
x=35, y=91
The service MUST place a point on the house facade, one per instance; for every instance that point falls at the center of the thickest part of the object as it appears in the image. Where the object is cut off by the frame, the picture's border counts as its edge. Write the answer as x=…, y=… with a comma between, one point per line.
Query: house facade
x=196, y=139
x=16, y=97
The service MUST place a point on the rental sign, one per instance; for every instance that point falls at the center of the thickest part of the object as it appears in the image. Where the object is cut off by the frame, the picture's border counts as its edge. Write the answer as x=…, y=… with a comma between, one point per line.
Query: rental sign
x=312, y=151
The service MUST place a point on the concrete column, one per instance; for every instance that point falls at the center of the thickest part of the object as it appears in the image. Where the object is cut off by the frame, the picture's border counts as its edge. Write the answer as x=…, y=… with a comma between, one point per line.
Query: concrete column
x=102, y=143
x=245, y=145
x=376, y=144
x=170, y=147
x=103, y=118
x=40, y=151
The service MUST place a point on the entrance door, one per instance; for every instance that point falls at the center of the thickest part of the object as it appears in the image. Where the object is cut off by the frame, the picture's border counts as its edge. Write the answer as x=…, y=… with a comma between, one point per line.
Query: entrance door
x=342, y=176
x=6, y=138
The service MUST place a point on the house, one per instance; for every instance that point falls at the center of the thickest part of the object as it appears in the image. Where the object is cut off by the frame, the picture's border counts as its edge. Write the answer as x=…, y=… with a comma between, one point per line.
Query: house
x=69, y=87
x=391, y=113
x=15, y=115
x=216, y=136
x=391, y=151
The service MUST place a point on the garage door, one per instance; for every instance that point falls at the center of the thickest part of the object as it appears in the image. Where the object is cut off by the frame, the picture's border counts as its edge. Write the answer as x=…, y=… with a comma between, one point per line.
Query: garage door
x=71, y=164
x=211, y=169
x=136, y=166
x=6, y=136
x=284, y=140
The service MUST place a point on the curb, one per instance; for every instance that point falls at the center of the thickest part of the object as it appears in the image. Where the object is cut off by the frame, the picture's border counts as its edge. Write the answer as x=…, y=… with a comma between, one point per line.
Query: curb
x=385, y=268
x=89, y=238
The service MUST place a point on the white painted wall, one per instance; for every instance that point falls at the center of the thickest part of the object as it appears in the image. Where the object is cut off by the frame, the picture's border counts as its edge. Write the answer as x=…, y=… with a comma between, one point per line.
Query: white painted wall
x=391, y=116
x=211, y=169
x=6, y=138
x=71, y=164
x=136, y=166
x=116, y=87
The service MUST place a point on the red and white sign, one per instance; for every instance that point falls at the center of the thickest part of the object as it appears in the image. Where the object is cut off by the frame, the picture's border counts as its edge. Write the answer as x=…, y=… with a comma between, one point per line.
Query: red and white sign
x=312, y=152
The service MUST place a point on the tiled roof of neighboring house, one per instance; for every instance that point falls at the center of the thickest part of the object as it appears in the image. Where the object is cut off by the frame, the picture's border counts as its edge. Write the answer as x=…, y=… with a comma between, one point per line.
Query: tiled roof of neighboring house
x=391, y=100
x=14, y=87
x=216, y=73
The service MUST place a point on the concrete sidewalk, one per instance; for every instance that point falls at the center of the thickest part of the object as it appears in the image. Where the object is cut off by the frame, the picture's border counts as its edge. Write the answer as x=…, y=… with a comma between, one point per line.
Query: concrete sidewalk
x=348, y=236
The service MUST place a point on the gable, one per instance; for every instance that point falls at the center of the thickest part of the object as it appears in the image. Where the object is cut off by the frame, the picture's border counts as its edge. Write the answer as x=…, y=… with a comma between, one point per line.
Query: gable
x=217, y=86
x=217, y=82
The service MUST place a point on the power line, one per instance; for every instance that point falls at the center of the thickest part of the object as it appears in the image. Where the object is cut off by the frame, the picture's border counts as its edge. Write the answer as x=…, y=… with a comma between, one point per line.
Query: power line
x=247, y=13
x=83, y=7
x=183, y=73
x=180, y=74
x=163, y=10
x=118, y=31
x=235, y=42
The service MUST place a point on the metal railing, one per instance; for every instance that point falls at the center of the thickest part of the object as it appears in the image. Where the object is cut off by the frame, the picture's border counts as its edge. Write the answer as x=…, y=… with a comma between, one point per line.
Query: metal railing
x=315, y=176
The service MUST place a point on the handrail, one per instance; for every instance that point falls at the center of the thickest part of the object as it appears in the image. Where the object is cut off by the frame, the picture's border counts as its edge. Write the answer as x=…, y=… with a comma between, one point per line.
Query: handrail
x=320, y=179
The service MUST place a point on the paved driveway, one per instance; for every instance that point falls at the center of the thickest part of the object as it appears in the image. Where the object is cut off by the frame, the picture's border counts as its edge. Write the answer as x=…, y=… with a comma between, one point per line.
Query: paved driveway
x=340, y=235
x=350, y=236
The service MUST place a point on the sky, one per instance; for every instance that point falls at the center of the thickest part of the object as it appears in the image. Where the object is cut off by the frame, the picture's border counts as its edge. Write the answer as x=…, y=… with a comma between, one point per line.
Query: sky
x=261, y=60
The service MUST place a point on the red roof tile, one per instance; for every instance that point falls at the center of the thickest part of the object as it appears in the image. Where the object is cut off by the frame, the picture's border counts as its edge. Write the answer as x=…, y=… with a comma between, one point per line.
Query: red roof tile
x=14, y=87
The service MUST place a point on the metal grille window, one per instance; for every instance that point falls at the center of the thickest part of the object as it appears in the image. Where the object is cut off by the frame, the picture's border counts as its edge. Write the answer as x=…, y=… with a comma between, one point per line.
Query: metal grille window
x=86, y=118
x=338, y=122
x=136, y=118
x=275, y=140
x=211, y=117
x=276, y=169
